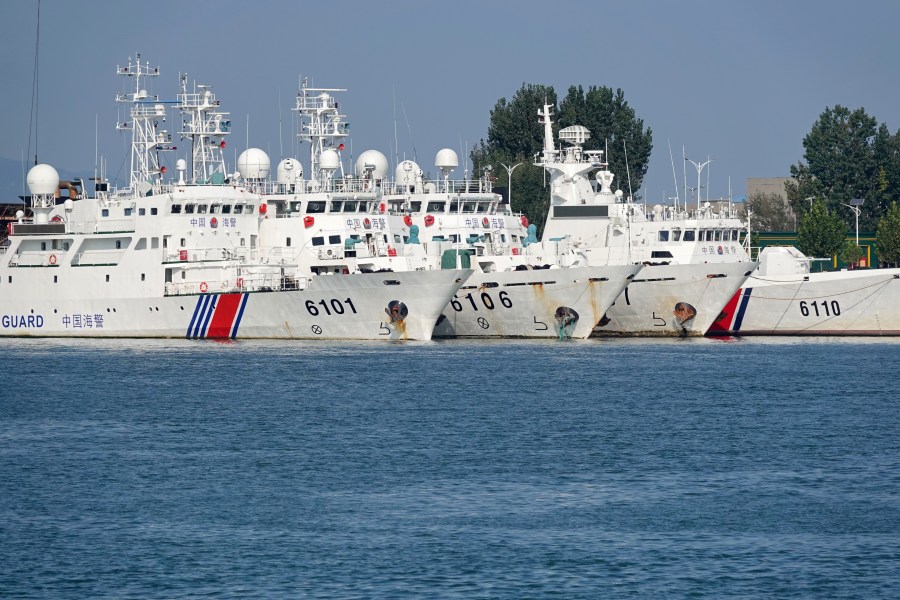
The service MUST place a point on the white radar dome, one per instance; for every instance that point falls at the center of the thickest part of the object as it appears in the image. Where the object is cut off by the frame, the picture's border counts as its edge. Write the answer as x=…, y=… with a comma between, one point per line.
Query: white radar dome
x=42, y=179
x=372, y=158
x=405, y=173
x=330, y=160
x=289, y=171
x=253, y=163
x=446, y=160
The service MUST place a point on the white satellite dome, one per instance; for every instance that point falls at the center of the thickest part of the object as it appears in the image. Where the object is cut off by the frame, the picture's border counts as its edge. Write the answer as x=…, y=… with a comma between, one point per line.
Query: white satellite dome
x=375, y=159
x=406, y=172
x=253, y=163
x=42, y=179
x=289, y=171
x=330, y=160
x=446, y=160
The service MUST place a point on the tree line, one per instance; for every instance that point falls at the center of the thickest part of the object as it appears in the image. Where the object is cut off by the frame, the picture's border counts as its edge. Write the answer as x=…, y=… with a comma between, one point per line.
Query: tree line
x=847, y=155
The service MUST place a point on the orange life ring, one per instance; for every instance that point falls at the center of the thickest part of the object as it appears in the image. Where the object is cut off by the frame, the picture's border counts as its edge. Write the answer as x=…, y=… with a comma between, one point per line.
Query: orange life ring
x=52, y=259
x=524, y=221
x=408, y=220
x=203, y=287
x=429, y=220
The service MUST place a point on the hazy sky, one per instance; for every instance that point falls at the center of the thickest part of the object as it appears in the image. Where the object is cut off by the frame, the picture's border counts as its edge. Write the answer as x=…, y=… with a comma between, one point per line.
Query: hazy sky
x=741, y=82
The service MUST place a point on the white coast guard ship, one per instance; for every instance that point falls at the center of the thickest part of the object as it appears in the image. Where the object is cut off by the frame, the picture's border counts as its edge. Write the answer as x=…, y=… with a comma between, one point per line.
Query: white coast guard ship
x=785, y=297
x=185, y=259
x=694, y=263
x=337, y=222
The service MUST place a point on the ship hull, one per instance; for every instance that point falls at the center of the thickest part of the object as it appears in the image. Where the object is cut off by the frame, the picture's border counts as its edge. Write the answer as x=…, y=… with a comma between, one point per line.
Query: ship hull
x=544, y=303
x=376, y=306
x=862, y=302
x=674, y=300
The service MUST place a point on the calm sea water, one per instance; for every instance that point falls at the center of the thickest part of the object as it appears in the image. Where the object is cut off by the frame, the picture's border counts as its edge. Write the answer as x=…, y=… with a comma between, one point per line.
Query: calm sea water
x=672, y=468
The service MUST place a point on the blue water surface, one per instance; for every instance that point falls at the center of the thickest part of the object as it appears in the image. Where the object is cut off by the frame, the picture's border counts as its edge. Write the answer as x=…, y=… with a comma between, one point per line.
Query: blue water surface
x=511, y=469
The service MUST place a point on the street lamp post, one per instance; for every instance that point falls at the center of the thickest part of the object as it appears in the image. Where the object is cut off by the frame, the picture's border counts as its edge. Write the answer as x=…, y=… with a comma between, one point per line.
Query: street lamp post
x=854, y=205
x=509, y=171
x=699, y=168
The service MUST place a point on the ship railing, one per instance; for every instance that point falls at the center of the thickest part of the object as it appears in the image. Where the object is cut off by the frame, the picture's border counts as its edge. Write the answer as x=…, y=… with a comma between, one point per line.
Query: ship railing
x=190, y=255
x=97, y=257
x=269, y=282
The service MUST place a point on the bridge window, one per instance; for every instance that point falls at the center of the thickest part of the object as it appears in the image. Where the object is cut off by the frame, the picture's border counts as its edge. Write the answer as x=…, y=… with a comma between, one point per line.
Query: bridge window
x=663, y=236
x=689, y=235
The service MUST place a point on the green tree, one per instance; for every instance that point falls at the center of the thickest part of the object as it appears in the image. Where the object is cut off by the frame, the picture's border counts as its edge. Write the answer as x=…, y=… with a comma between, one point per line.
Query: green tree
x=614, y=126
x=515, y=136
x=821, y=232
x=850, y=253
x=770, y=212
x=887, y=242
x=847, y=156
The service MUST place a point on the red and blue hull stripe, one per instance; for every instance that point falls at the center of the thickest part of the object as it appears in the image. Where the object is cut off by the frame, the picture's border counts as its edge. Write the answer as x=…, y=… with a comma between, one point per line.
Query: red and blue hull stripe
x=732, y=317
x=217, y=316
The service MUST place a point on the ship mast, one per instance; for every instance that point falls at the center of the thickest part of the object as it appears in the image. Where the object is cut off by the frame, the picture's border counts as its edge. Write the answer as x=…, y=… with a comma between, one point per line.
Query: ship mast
x=321, y=124
x=146, y=139
x=206, y=126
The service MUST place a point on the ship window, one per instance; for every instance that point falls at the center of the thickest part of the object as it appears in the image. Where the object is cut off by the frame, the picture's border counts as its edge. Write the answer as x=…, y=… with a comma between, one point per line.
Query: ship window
x=718, y=235
x=182, y=242
x=107, y=278
x=385, y=238
x=226, y=209
x=189, y=208
x=502, y=237
x=334, y=239
x=141, y=244
x=243, y=242
x=405, y=239
x=350, y=206
x=709, y=235
x=336, y=205
x=663, y=235
x=55, y=279
x=318, y=241
x=201, y=209
x=415, y=206
x=454, y=206
x=287, y=242
x=689, y=235
x=176, y=209
x=676, y=235
x=660, y=254
x=734, y=235
x=104, y=212
x=215, y=208
x=43, y=246
x=66, y=246
x=128, y=212
x=454, y=237
x=154, y=243
x=436, y=207
x=118, y=244
x=143, y=277
x=142, y=212
x=396, y=238
x=238, y=209
x=153, y=211
x=468, y=207
x=315, y=207
x=184, y=274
